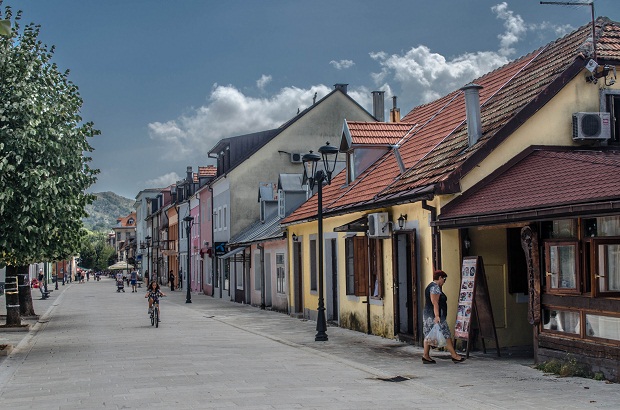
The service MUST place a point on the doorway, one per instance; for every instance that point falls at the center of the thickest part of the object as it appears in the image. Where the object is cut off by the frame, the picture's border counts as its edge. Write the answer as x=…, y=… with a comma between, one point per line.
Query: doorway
x=406, y=287
x=331, y=280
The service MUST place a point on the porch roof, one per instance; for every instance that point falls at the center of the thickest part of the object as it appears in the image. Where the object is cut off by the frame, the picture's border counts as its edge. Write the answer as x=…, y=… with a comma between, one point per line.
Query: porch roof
x=540, y=183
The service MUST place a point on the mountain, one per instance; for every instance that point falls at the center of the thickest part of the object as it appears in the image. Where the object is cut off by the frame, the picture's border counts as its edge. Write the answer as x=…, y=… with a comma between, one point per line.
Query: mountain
x=104, y=211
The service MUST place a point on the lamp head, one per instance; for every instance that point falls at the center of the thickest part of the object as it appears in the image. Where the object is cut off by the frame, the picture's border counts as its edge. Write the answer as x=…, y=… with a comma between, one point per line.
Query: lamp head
x=310, y=162
x=401, y=221
x=328, y=152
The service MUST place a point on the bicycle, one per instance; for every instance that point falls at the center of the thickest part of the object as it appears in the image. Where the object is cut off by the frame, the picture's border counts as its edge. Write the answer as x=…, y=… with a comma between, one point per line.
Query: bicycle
x=155, y=313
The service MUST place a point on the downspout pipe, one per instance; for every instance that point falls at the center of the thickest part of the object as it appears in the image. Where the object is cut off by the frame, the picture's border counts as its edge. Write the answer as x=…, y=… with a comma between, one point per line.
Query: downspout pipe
x=435, y=238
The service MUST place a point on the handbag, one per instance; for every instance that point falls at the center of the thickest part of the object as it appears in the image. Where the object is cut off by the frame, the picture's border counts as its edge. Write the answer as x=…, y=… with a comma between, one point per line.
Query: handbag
x=435, y=337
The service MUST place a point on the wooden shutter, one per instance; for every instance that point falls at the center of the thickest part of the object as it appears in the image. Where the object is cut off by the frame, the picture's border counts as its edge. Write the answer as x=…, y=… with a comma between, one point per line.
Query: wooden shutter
x=360, y=250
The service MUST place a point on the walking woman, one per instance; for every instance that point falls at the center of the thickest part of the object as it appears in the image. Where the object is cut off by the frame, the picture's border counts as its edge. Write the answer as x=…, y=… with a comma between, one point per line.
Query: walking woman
x=435, y=311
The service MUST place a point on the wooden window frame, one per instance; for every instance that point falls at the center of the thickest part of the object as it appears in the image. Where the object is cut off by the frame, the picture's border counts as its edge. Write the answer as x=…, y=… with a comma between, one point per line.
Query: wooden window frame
x=576, y=244
x=594, y=268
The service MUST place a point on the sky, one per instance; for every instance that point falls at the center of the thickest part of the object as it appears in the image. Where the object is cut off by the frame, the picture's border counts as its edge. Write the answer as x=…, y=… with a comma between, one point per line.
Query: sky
x=165, y=80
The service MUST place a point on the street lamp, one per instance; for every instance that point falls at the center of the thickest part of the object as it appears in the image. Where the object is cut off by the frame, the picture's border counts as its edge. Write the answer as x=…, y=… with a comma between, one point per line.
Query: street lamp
x=314, y=176
x=189, y=221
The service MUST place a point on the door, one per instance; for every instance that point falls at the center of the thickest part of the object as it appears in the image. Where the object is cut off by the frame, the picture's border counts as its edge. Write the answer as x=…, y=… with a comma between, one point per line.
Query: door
x=405, y=286
x=331, y=280
x=297, y=279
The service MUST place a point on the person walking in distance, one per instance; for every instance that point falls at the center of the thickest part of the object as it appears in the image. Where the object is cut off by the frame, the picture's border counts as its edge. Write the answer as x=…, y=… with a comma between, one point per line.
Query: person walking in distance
x=171, y=280
x=146, y=278
x=180, y=280
x=134, y=281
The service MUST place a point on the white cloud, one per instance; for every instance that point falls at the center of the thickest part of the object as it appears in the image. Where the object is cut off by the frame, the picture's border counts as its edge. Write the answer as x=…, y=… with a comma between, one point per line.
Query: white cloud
x=514, y=25
x=163, y=180
x=342, y=64
x=425, y=76
x=228, y=113
x=262, y=82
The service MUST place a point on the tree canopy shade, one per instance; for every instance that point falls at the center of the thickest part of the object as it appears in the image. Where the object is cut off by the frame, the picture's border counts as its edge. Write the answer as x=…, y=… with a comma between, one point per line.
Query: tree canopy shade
x=43, y=169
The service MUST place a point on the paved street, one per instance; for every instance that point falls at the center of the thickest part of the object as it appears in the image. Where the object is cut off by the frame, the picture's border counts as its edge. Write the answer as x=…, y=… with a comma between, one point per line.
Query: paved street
x=94, y=348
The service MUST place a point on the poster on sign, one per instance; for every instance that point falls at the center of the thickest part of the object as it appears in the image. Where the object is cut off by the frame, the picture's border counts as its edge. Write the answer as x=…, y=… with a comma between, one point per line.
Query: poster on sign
x=466, y=298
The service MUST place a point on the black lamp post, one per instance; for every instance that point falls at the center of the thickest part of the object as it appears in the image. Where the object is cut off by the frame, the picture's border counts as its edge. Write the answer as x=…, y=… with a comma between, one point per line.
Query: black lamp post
x=314, y=176
x=189, y=220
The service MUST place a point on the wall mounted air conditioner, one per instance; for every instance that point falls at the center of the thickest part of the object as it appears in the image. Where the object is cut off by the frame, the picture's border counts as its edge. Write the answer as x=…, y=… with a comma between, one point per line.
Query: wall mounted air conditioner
x=378, y=225
x=588, y=126
x=296, y=157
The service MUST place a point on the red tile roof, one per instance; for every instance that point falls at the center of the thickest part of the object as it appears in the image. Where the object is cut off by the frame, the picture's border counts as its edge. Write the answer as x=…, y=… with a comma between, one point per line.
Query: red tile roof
x=542, y=178
x=208, y=171
x=436, y=153
x=378, y=133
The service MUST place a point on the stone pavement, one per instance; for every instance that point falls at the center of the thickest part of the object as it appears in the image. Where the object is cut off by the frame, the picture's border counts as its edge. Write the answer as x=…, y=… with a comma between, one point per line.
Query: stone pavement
x=94, y=348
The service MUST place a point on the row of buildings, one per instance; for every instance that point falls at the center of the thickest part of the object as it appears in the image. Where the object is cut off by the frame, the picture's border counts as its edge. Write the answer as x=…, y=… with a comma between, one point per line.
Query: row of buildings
x=520, y=169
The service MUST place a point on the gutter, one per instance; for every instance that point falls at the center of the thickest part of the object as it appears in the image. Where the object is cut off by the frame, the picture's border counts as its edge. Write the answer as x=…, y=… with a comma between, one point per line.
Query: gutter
x=435, y=236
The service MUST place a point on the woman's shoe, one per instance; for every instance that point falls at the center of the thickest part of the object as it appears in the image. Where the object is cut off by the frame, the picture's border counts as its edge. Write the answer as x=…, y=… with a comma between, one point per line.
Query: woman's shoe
x=462, y=359
x=428, y=361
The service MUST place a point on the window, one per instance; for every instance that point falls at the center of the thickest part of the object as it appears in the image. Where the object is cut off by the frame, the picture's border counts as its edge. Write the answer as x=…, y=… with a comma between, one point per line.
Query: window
x=313, y=266
x=563, y=321
x=607, y=266
x=224, y=218
x=562, y=266
x=604, y=327
x=280, y=273
x=356, y=254
x=611, y=103
x=281, y=204
x=376, y=267
x=238, y=261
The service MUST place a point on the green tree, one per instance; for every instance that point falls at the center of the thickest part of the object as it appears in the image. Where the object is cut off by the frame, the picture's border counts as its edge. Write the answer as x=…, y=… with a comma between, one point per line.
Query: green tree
x=44, y=171
x=95, y=252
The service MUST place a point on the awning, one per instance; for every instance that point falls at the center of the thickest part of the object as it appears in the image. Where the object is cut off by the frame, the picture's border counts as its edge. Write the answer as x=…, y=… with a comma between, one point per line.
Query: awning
x=120, y=266
x=232, y=253
x=540, y=184
x=358, y=225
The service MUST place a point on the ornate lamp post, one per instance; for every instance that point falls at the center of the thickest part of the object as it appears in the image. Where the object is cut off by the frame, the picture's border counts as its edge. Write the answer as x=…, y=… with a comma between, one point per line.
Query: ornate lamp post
x=188, y=220
x=314, y=176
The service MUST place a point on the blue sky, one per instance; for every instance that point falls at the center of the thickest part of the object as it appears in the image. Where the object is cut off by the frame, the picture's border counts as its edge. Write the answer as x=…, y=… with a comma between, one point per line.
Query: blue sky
x=165, y=80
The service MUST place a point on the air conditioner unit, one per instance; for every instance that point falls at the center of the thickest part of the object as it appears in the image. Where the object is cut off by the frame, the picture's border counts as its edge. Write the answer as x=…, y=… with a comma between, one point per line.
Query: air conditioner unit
x=296, y=157
x=589, y=126
x=378, y=225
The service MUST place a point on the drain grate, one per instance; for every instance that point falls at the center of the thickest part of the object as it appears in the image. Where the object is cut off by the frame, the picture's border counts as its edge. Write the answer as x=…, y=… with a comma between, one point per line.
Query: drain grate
x=394, y=379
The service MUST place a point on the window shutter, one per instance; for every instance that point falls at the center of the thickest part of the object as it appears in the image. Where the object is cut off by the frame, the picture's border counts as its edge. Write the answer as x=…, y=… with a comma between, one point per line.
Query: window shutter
x=361, y=265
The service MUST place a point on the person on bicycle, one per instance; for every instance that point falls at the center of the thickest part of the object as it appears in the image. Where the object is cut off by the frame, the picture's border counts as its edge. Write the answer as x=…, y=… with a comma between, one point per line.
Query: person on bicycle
x=153, y=293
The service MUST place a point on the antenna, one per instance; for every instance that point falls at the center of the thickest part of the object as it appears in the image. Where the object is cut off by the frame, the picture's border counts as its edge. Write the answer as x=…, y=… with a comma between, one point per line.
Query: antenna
x=571, y=3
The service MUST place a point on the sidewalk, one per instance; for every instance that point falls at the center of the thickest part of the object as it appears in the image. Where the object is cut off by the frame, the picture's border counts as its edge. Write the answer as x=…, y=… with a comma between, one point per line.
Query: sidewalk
x=95, y=348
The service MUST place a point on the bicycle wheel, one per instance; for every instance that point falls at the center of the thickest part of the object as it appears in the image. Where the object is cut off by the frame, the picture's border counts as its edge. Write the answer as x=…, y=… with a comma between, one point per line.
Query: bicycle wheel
x=153, y=316
x=157, y=316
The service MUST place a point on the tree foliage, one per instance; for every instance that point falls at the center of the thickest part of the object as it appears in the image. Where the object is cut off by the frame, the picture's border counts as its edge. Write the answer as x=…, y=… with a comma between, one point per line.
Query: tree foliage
x=44, y=171
x=95, y=252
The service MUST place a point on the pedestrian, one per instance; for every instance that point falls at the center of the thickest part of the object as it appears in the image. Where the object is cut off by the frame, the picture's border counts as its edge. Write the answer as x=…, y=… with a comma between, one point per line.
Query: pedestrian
x=171, y=280
x=134, y=281
x=180, y=280
x=435, y=311
x=146, y=278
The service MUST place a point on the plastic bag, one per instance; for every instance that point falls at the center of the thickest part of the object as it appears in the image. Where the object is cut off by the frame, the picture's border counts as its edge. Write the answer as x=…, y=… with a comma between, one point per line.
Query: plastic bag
x=435, y=337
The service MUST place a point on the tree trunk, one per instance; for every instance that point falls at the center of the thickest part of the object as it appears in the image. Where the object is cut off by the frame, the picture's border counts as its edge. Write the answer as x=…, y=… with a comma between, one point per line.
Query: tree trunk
x=25, y=295
x=13, y=317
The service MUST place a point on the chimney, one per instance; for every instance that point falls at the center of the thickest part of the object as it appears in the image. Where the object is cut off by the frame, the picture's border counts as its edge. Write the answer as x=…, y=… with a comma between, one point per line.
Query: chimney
x=394, y=112
x=378, y=109
x=472, y=110
x=341, y=87
x=190, y=175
